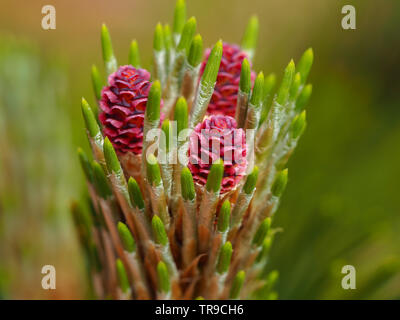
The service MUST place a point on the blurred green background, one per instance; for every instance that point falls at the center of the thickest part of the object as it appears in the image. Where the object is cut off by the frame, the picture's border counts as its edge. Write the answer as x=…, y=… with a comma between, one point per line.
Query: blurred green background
x=341, y=206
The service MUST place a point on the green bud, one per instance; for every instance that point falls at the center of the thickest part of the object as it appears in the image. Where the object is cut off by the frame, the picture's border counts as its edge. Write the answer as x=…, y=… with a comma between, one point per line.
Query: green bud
x=86, y=167
x=159, y=230
x=211, y=70
x=100, y=181
x=96, y=82
x=237, y=284
x=305, y=64
x=83, y=222
x=199, y=298
x=168, y=45
x=108, y=55
x=304, y=97
x=249, y=41
x=224, y=260
x=181, y=114
x=122, y=276
x=179, y=16
x=163, y=277
x=111, y=158
x=134, y=57
x=272, y=278
x=262, y=232
x=298, y=125
x=224, y=216
x=215, y=175
x=153, y=170
x=258, y=91
x=207, y=84
x=90, y=120
x=280, y=182
x=135, y=194
x=153, y=102
x=97, y=218
x=167, y=37
x=294, y=89
x=187, y=35
x=187, y=185
x=283, y=92
x=165, y=127
x=196, y=51
x=128, y=242
x=245, y=77
x=158, y=42
x=251, y=181
x=269, y=84
x=266, y=245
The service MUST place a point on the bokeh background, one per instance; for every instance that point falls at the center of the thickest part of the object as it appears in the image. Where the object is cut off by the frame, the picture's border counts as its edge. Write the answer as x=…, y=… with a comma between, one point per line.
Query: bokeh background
x=342, y=204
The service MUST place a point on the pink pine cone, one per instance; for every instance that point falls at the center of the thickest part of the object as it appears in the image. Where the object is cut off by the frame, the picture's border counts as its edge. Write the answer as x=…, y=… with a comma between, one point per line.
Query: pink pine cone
x=231, y=147
x=224, y=98
x=123, y=103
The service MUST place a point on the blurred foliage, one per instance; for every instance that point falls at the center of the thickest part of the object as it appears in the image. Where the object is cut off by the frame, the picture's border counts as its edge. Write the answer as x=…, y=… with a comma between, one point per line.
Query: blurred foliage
x=36, y=177
x=341, y=206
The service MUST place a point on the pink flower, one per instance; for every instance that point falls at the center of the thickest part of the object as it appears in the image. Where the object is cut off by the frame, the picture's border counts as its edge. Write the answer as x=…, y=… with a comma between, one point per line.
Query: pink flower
x=123, y=103
x=218, y=138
